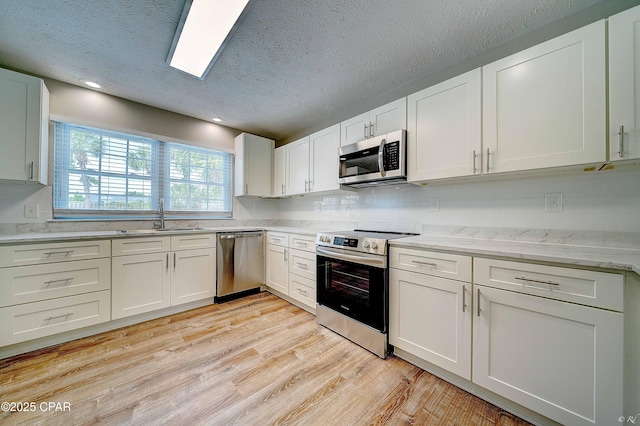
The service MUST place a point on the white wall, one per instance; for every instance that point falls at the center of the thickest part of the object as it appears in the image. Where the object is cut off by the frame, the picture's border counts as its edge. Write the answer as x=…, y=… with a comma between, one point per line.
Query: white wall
x=595, y=201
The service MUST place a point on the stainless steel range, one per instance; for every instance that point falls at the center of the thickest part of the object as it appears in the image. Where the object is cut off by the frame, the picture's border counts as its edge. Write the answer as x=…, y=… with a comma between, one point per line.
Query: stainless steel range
x=353, y=286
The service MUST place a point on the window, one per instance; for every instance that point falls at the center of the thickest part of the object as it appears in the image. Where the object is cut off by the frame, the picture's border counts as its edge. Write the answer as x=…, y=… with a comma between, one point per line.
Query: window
x=109, y=174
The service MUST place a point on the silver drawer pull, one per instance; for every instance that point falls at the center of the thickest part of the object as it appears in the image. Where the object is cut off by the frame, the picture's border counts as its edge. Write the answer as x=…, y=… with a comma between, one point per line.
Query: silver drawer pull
x=301, y=291
x=277, y=240
x=301, y=243
x=51, y=253
x=421, y=263
x=65, y=316
x=536, y=281
x=301, y=265
x=62, y=280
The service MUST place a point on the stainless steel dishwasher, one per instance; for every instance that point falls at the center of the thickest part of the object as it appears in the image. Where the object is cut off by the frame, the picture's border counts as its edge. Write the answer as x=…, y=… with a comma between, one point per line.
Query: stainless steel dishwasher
x=240, y=263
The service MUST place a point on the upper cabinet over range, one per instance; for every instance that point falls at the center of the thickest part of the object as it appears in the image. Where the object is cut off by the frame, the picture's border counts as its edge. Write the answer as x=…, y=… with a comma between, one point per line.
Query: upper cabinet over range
x=624, y=85
x=384, y=119
x=24, y=128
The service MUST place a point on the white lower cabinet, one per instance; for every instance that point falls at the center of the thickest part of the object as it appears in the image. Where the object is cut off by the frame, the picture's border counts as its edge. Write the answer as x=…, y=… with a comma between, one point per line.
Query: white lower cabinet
x=155, y=278
x=548, y=338
x=277, y=268
x=562, y=360
x=430, y=317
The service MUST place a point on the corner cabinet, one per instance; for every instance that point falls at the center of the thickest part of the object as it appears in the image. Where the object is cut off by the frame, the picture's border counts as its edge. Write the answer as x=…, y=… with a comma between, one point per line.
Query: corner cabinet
x=253, y=165
x=444, y=136
x=624, y=85
x=546, y=106
x=24, y=128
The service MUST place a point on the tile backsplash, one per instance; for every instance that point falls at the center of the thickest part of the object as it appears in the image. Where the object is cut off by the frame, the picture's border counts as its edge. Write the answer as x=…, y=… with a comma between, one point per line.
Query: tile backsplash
x=596, y=201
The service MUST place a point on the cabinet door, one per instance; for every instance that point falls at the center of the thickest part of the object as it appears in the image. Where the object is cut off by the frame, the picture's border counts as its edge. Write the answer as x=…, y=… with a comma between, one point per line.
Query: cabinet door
x=277, y=268
x=298, y=166
x=324, y=159
x=388, y=118
x=353, y=130
x=193, y=275
x=254, y=162
x=444, y=129
x=624, y=84
x=279, y=171
x=24, y=127
x=545, y=106
x=430, y=317
x=559, y=359
x=140, y=283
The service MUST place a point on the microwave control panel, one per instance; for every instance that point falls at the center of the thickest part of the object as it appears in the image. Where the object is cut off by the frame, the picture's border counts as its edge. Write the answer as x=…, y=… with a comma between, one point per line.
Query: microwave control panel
x=392, y=156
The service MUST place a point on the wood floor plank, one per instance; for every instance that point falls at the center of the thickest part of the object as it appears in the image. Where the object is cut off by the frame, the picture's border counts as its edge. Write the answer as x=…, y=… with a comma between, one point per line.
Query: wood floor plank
x=253, y=361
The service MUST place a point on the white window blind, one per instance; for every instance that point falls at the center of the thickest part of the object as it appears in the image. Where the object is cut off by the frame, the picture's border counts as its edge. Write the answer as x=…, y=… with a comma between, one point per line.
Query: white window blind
x=104, y=173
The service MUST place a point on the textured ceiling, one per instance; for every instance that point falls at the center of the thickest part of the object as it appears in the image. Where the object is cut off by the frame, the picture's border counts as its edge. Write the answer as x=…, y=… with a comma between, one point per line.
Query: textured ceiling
x=290, y=65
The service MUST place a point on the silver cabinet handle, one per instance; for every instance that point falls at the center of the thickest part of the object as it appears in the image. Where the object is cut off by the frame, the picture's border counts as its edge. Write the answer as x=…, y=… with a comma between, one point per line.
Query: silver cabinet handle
x=174, y=260
x=536, y=281
x=301, y=244
x=282, y=189
x=478, y=302
x=286, y=257
x=381, y=157
x=488, y=158
x=475, y=168
x=301, y=265
x=621, y=140
x=306, y=186
x=464, y=296
x=51, y=253
x=371, y=130
x=421, y=263
x=64, y=280
x=167, y=261
x=365, y=131
x=310, y=184
x=31, y=176
x=67, y=315
x=246, y=189
x=301, y=291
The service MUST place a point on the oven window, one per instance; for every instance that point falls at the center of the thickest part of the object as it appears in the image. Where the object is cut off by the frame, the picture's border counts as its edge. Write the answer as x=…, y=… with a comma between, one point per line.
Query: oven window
x=357, y=291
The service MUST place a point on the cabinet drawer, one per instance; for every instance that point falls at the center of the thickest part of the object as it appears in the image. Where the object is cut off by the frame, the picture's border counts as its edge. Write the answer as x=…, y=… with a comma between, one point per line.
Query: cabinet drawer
x=193, y=241
x=26, y=284
x=302, y=289
x=278, y=238
x=444, y=265
x=142, y=245
x=598, y=289
x=34, y=254
x=302, y=263
x=39, y=319
x=302, y=242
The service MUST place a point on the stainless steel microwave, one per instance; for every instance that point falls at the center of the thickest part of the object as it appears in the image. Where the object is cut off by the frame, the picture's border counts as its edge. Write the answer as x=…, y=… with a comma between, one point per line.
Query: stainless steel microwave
x=380, y=160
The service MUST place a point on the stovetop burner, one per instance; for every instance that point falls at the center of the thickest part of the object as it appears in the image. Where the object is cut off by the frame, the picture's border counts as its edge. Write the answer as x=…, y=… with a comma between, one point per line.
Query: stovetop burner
x=360, y=240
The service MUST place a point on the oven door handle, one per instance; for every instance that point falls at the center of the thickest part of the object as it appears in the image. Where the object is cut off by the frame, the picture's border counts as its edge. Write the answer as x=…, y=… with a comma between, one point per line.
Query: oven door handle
x=363, y=259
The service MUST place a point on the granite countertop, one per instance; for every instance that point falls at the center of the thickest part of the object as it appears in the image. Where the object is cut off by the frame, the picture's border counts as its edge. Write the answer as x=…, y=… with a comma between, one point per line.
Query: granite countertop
x=571, y=251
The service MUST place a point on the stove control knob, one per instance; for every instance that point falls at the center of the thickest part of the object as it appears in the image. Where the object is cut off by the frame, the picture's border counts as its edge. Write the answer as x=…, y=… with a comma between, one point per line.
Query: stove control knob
x=365, y=244
x=374, y=245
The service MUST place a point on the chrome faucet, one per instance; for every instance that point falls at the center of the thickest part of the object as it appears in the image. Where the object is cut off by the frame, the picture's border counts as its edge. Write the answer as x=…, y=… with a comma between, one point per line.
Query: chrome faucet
x=161, y=214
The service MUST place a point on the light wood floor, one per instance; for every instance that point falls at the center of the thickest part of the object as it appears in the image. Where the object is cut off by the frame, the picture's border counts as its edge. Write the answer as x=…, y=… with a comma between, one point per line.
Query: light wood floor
x=253, y=361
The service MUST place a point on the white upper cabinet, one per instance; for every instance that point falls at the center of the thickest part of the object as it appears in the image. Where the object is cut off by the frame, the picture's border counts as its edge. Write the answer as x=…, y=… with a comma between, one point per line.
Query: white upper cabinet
x=298, y=166
x=384, y=119
x=624, y=85
x=253, y=165
x=444, y=133
x=545, y=106
x=312, y=162
x=324, y=159
x=279, y=171
x=24, y=128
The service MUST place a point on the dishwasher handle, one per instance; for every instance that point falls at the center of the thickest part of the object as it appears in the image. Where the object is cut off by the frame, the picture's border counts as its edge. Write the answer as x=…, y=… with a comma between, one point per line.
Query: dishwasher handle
x=240, y=235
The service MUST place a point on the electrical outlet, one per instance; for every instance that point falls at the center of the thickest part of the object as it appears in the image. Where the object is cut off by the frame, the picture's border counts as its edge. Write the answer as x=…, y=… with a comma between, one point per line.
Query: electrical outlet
x=31, y=211
x=317, y=207
x=553, y=202
x=434, y=204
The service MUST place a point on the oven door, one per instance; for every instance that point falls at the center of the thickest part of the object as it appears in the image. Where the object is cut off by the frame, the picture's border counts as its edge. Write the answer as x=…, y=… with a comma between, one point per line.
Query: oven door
x=354, y=284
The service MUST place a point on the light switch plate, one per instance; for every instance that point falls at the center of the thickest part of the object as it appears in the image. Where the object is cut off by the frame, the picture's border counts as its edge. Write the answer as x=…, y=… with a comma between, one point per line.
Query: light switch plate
x=31, y=211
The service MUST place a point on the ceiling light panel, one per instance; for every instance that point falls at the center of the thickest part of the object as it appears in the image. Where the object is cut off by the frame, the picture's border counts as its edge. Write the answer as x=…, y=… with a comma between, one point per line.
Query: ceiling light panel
x=203, y=32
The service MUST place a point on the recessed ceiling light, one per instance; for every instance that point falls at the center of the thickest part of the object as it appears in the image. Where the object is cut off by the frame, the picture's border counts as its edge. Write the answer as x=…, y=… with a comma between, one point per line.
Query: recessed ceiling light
x=216, y=119
x=93, y=84
x=204, y=29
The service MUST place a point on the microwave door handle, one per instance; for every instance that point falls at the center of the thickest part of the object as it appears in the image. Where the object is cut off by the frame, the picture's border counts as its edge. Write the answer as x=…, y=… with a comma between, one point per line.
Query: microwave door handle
x=381, y=158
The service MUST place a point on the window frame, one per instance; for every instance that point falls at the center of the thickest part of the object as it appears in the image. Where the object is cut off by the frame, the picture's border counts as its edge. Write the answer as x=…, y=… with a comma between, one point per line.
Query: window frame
x=160, y=182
